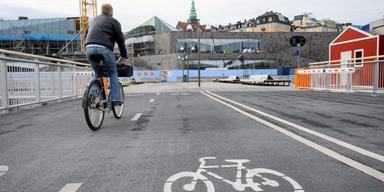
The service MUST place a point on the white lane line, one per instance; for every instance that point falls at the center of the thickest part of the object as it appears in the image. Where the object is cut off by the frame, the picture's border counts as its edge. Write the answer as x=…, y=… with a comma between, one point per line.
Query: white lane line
x=136, y=117
x=157, y=93
x=315, y=133
x=133, y=95
x=151, y=101
x=71, y=187
x=3, y=170
x=357, y=165
x=174, y=94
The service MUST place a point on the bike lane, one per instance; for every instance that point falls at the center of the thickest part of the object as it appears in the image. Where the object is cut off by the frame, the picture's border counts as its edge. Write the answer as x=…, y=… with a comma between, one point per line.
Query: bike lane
x=185, y=128
x=174, y=132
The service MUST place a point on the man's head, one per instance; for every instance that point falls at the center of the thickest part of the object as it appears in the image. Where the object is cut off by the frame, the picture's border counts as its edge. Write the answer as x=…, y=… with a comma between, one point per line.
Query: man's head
x=107, y=9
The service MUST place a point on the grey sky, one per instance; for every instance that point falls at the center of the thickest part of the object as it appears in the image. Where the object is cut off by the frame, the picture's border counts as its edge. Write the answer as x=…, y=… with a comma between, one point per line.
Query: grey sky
x=133, y=12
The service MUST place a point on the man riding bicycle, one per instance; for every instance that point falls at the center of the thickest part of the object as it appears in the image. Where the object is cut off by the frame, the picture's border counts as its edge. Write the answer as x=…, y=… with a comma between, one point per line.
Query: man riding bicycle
x=103, y=32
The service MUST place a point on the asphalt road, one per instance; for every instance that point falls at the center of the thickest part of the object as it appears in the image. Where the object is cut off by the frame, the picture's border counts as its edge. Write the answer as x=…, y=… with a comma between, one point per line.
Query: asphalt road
x=51, y=149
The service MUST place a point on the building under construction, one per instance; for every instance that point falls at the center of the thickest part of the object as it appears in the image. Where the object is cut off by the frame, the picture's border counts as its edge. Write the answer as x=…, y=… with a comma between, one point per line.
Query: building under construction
x=56, y=36
x=140, y=40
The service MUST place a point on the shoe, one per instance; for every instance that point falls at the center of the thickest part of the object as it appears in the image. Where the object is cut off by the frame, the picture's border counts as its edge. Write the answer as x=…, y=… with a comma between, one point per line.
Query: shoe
x=117, y=103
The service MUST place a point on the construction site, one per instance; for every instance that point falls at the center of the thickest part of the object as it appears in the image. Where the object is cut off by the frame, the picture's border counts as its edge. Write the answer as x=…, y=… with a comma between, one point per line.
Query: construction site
x=52, y=37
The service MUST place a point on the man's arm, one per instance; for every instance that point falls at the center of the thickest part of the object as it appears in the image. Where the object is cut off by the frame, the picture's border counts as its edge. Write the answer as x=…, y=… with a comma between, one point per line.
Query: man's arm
x=120, y=40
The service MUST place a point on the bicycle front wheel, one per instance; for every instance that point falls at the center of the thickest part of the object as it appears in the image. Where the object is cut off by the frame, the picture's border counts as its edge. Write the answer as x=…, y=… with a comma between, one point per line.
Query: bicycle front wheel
x=265, y=174
x=118, y=110
x=93, y=98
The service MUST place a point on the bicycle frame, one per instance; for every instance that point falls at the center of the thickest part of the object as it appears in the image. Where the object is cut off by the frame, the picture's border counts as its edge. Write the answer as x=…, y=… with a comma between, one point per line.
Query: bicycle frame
x=105, y=87
x=237, y=184
x=105, y=81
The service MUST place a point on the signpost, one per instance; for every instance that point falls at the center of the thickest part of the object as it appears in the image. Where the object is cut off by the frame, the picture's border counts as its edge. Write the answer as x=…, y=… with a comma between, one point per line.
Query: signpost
x=298, y=41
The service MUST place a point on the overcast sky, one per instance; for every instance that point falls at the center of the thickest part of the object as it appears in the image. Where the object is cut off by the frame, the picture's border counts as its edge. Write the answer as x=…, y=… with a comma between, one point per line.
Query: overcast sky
x=131, y=13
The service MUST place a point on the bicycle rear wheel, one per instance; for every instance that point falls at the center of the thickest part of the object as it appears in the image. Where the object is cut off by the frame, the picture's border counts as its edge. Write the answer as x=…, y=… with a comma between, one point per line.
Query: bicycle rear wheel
x=118, y=110
x=93, y=98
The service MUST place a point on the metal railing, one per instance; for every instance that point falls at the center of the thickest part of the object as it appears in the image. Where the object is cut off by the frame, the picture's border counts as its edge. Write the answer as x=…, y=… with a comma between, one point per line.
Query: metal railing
x=352, y=75
x=25, y=81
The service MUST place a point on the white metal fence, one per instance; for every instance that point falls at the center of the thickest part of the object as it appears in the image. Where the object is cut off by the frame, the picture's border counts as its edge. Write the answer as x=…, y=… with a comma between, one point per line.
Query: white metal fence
x=362, y=75
x=24, y=81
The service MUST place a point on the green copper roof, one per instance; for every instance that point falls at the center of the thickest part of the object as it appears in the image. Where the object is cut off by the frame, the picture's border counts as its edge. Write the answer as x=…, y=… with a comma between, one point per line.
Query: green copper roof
x=160, y=25
x=152, y=26
x=193, y=14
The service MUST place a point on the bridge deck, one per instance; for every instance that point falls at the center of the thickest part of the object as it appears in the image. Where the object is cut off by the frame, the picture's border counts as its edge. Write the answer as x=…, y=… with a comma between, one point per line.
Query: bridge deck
x=51, y=149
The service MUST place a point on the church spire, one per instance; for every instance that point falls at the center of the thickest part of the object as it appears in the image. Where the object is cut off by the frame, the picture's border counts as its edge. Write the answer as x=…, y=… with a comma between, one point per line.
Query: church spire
x=193, y=14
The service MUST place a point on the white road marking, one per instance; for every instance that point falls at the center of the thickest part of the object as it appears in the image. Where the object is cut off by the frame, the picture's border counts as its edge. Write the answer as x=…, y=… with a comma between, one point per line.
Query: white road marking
x=136, y=117
x=315, y=133
x=151, y=101
x=238, y=185
x=175, y=94
x=133, y=95
x=71, y=187
x=157, y=93
x=3, y=170
x=357, y=165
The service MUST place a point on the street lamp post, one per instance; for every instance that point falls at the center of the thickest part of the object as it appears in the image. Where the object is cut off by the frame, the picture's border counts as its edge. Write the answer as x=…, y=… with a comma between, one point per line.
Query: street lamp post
x=192, y=50
x=198, y=57
x=182, y=60
x=185, y=59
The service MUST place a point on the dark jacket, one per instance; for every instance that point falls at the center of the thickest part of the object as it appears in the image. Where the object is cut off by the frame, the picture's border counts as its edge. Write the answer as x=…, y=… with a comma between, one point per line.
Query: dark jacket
x=105, y=30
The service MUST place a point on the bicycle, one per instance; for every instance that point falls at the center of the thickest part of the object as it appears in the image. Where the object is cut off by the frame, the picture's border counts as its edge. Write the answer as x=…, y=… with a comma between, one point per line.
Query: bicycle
x=97, y=99
x=237, y=184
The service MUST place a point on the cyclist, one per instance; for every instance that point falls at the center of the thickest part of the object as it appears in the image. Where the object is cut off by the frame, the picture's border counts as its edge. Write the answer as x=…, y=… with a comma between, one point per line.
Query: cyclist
x=102, y=34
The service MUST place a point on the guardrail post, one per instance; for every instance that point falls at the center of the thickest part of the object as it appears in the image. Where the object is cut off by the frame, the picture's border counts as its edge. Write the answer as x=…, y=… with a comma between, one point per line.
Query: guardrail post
x=60, y=81
x=75, y=91
x=37, y=82
x=4, y=83
x=376, y=76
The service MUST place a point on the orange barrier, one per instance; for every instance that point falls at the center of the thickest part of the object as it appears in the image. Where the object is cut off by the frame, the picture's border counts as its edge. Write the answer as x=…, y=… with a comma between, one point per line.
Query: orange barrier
x=302, y=81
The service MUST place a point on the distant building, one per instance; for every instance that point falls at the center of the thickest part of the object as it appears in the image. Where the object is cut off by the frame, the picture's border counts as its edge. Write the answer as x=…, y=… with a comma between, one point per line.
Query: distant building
x=268, y=22
x=140, y=40
x=193, y=22
x=377, y=27
x=170, y=49
x=260, y=50
x=307, y=23
x=41, y=36
x=272, y=22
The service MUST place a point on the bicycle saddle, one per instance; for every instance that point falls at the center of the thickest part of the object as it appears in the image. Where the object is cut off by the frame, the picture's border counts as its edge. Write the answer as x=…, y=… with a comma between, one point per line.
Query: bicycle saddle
x=237, y=160
x=101, y=68
x=97, y=58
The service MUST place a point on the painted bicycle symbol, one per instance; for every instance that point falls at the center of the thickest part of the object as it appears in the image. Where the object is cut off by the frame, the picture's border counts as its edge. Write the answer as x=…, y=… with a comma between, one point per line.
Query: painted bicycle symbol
x=238, y=184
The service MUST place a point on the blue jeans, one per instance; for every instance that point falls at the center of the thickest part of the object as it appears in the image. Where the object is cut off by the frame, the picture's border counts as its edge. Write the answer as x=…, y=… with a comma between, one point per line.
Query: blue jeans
x=109, y=60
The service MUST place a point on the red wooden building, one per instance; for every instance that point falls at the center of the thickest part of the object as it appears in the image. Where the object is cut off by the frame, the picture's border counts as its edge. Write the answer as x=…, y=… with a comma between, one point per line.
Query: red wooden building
x=352, y=45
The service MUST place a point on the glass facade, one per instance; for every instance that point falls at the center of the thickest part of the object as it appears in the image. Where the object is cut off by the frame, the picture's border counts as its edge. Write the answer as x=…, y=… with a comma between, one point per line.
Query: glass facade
x=59, y=29
x=226, y=46
x=151, y=27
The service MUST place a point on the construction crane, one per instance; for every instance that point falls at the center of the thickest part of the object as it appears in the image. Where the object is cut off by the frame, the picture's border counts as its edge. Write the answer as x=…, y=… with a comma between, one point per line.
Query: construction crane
x=88, y=11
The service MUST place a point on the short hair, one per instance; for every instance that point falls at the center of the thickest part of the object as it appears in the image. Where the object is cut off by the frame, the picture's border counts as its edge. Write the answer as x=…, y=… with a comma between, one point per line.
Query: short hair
x=106, y=9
